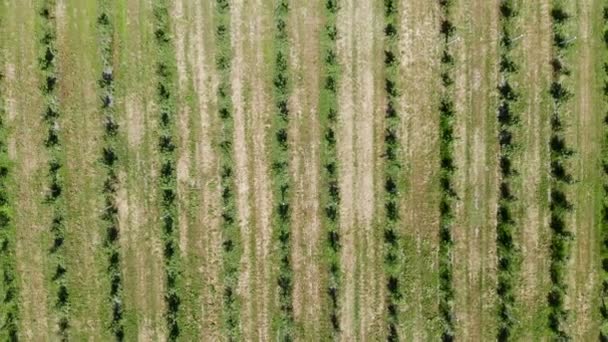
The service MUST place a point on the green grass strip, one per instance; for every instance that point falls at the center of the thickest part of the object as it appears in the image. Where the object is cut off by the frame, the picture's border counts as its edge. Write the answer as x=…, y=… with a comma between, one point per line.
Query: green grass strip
x=231, y=242
x=393, y=259
x=448, y=196
x=281, y=178
x=165, y=71
x=507, y=249
x=603, y=333
x=47, y=63
x=110, y=161
x=560, y=206
x=330, y=197
x=9, y=289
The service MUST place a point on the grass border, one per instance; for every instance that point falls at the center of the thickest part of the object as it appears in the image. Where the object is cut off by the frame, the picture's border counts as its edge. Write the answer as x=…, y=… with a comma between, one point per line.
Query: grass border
x=9, y=288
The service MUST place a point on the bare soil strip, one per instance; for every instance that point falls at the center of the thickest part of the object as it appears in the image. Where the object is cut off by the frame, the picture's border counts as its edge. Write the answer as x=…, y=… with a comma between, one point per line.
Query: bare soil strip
x=419, y=62
x=359, y=106
x=252, y=106
x=200, y=178
x=241, y=161
x=477, y=173
x=346, y=143
x=304, y=139
x=192, y=105
x=369, y=127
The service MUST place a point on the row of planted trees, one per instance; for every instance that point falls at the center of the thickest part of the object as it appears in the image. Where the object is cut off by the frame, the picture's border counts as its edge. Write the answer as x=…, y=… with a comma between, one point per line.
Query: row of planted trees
x=603, y=335
x=328, y=109
x=165, y=73
x=280, y=173
x=47, y=64
x=9, y=289
x=393, y=262
x=231, y=235
x=506, y=248
x=560, y=206
x=448, y=196
x=109, y=159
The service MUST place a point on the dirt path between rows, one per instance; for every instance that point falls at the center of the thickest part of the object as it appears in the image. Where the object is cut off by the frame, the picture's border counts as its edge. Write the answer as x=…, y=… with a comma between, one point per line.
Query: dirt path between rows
x=141, y=246
x=477, y=174
x=535, y=74
x=358, y=105
x=207, y=170
x=419, y=45
x=346, y=140
x=304, y=135
x=585, y=254
x=241, y=164
x=259, y=124
x=369, y=115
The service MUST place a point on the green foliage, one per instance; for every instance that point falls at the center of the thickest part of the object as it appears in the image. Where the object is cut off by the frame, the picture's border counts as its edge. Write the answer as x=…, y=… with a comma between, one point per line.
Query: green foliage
x=165, y=72
x=231, y=236
x=393, y=261
x=47, y=64
x=9, y=289
x=507, y=249
x=328, y=109
x=560, y=176
x=110, y=160
x=447, y=168
x=603, y=333
x=280, y=174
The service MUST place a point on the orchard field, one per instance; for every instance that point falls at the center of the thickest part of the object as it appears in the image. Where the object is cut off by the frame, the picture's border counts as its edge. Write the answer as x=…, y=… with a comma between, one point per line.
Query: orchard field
x=278, y=170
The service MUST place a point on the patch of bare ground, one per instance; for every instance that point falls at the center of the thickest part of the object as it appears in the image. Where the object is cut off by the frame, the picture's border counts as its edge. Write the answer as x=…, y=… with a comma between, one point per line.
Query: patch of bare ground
x=359, y=107
x=205, y=169
x=190, y=206
x=241, y=167
x=304, y=133
x=26, y=150
x=419, y=56
x=180, y=26
x=369, y=180
x=586, y=132
x=261, y=105
x=140, y=236
x=477, y=173
x=535, y=77
x=345, y=147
